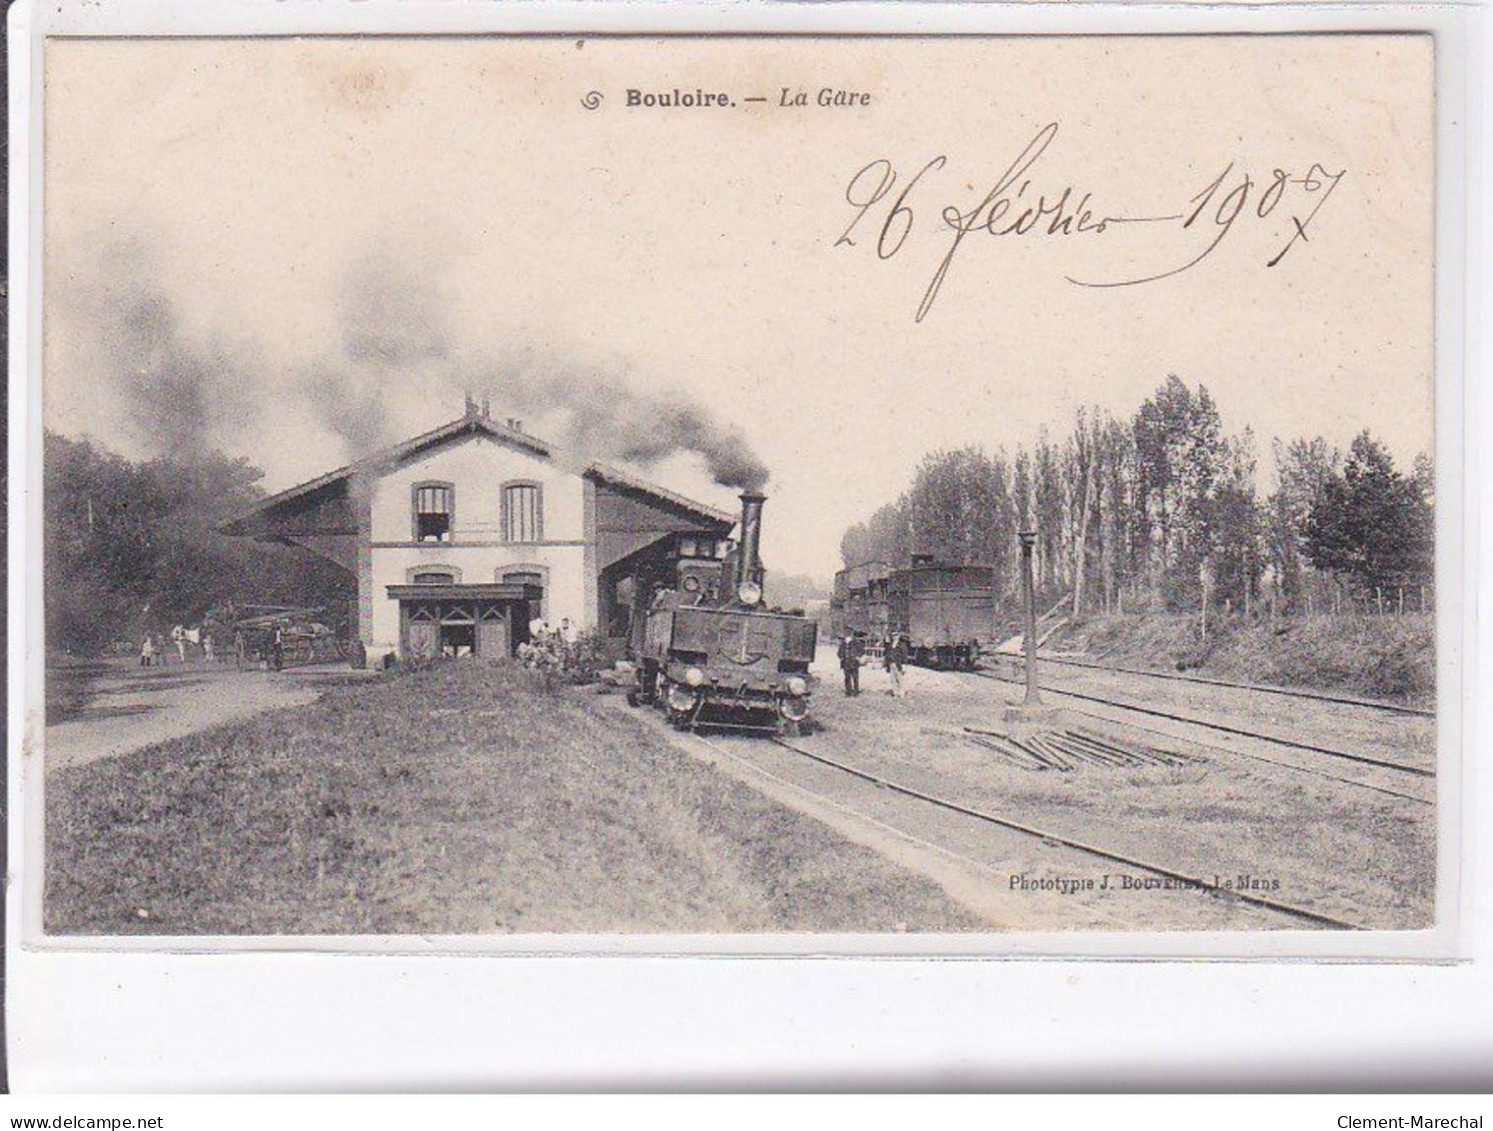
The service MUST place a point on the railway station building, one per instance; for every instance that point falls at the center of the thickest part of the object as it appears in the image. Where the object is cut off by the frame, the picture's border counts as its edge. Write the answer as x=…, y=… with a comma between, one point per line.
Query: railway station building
x=460, y=537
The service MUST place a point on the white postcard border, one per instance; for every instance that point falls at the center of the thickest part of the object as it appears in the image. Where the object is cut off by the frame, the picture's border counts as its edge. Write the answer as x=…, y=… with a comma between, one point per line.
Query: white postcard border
x=55, y=976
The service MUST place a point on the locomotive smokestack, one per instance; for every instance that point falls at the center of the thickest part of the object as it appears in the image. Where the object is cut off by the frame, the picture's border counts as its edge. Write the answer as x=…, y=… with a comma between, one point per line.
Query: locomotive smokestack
x=751, y=534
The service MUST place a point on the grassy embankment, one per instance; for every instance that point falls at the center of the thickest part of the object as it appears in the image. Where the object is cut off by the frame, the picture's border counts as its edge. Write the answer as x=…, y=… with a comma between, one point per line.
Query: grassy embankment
x=458, y=799
x=1387, y=657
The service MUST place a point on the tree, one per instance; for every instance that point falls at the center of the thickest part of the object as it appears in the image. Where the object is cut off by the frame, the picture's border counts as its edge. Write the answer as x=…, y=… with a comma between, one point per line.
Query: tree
x=959, y=509
x=131, y=547
x=1155, y=503
x=1180, y=454
x=1371, y=525
x=1120, y=550
x=1085, y=467
x=1235, y=528
x=1050, y=505
x=1302, y=470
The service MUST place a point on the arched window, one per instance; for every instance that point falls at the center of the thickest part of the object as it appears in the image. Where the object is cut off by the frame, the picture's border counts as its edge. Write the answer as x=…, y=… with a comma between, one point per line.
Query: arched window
x=523, y=512
x=433, y=573
x=526, y=574
x=434, y=507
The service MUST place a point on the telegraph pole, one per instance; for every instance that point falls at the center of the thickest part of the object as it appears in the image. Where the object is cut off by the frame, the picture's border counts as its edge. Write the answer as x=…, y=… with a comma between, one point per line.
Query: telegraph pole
x=1028, y=591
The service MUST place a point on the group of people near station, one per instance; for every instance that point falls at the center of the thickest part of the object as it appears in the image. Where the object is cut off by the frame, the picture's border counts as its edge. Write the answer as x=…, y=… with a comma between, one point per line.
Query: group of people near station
x=894, y=652
x=549, y=651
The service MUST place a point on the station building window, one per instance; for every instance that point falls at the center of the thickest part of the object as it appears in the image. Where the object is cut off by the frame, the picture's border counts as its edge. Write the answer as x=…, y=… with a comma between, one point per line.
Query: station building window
x=434, y=511
x=523, y=513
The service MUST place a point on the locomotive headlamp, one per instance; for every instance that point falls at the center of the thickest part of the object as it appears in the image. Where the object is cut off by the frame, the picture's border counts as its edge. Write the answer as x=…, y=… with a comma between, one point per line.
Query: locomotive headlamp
x=797, y=685
x=694, y=677
x=749, y=592
x=794, y=709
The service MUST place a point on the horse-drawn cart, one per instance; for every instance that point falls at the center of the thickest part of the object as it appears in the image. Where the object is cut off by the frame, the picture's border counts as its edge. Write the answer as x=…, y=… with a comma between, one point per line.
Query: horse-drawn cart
x=274, y=637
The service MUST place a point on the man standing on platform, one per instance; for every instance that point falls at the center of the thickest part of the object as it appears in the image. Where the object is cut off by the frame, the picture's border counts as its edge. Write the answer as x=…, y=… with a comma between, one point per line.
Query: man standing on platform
x=850, y=663
x=896, y=660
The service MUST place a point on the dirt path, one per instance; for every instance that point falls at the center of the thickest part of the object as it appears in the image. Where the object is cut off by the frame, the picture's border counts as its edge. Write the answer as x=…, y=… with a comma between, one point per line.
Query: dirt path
x=129, y=707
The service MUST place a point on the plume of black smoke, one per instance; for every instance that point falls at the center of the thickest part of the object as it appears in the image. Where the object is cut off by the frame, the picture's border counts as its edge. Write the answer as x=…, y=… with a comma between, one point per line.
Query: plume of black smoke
x=181, y=395
x=391, y=319
x=598, y=415
x=349, y=404
x=394, y=334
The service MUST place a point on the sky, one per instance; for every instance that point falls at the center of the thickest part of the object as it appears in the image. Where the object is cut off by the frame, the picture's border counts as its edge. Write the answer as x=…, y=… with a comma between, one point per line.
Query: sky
x=296, y=250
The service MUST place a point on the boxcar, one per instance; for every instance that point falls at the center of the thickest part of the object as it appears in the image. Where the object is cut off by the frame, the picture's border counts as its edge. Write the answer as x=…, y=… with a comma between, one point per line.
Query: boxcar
x=859, y=601
x=948, y=613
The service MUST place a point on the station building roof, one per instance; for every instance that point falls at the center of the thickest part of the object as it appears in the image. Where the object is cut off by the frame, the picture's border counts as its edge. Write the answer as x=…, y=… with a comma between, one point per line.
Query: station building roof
x=268, y=516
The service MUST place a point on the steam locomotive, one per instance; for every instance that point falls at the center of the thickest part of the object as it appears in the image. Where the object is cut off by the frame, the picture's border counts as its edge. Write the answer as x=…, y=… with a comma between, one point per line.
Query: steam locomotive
x=714, y=656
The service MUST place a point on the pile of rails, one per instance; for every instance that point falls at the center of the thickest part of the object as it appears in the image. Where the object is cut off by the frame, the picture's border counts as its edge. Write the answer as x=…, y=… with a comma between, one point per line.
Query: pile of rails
x=1067, y=750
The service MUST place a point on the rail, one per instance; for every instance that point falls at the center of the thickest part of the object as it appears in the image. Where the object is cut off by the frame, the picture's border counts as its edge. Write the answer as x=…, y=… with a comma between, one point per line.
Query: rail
x=1263, y=688
x=1193, y=720
x=1049, y=837
x=1232, y=752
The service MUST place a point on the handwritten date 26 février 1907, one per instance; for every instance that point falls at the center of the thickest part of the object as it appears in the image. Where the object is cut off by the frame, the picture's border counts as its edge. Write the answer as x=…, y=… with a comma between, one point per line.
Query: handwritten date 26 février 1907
x=1010, y=209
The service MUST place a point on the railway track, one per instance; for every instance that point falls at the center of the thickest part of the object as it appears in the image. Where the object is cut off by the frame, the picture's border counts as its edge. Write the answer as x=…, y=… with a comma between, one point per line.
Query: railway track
x=1261, y=688
x=1224, y=728
x=1293, y=766
x=1045, y=836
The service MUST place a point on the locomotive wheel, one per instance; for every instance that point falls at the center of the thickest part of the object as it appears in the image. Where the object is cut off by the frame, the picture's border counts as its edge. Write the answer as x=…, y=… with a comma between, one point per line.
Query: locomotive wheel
x=791, y=729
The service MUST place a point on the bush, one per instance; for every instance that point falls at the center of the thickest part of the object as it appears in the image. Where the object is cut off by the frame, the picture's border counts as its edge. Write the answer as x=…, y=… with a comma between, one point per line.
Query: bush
x=543, y=658
x=587, y=658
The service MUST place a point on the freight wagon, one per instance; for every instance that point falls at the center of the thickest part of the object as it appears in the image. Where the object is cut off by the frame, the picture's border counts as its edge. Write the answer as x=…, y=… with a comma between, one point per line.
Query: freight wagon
x=948, y=613
x=859, y=601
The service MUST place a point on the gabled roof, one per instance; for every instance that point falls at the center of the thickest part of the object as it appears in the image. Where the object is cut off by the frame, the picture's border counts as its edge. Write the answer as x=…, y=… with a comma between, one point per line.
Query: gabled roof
x=615, y=476
x=469, y=424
